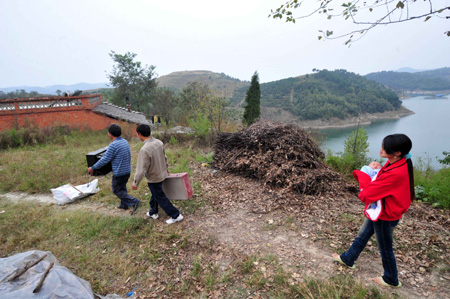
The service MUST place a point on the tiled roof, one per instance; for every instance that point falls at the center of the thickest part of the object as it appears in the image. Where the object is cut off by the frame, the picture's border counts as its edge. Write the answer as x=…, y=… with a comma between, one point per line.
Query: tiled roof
x=117, y=112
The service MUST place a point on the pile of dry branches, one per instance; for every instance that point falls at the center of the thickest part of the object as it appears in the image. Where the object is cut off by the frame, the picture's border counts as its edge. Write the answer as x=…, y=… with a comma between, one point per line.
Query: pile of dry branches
x=280, y=155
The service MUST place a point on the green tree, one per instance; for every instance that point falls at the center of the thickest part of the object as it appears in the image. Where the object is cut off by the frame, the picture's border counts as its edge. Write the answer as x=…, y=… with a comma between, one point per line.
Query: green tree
x=198, y=98
x=214, y=108
x=365, y=15
x=357, y=146
x=165, y=103
x=446, y=160
x=190, y=98
x=133, y=81
x=354, y=156
x=252, y=110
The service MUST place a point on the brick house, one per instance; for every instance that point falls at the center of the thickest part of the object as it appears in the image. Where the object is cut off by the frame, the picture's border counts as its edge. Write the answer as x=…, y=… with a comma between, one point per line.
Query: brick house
x=74, y=111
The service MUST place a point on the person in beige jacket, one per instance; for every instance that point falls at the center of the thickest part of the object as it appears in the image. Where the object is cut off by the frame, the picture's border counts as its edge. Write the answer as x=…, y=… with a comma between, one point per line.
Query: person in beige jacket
x=152, y=163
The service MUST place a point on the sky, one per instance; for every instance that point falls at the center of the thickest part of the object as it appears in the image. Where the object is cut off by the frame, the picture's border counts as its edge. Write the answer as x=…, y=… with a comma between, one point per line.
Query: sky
x=50, y=42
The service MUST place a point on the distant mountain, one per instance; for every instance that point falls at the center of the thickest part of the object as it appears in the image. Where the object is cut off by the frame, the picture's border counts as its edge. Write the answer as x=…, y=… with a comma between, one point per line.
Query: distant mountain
x=408, y=70
x=220, y=82
x=53, y=88
x=325, y=94
x=322, y=95
x=432, y=81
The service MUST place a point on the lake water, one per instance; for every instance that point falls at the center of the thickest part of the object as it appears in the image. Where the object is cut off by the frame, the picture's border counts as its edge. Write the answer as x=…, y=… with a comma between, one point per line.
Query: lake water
x=428, y=129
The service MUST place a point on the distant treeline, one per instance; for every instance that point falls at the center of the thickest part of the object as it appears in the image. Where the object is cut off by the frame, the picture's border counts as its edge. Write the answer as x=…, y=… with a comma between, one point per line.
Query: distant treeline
x=435, y=80
x=19, y=94
x=326, y=94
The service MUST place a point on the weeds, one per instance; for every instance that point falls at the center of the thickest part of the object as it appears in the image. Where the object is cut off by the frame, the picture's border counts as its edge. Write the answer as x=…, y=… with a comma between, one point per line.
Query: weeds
x=433, y=187
x=31, y=135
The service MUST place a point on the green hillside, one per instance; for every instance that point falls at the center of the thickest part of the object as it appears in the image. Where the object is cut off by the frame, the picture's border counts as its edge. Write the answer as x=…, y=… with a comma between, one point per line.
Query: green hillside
x=321, y=95
x=325, y=94
x=434, y=80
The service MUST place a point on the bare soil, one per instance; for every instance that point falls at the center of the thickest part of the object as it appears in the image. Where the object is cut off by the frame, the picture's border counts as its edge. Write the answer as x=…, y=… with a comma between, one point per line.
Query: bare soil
x=304, y=235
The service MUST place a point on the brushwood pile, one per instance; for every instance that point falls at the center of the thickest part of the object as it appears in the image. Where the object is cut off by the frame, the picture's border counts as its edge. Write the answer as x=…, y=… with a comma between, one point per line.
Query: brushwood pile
x=281, y=156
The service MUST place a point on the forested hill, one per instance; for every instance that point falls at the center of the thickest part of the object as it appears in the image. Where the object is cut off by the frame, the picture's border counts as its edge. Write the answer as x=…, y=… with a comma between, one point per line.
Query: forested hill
x=434, y=80
x=325, y=94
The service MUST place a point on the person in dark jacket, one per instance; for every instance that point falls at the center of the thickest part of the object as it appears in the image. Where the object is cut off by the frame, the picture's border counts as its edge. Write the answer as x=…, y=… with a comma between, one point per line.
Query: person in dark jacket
x=119, y=154
x=394, y=186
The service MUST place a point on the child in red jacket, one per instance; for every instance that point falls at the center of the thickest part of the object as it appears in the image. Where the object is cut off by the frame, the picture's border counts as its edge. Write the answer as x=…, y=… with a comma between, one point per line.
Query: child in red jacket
x=394, y=186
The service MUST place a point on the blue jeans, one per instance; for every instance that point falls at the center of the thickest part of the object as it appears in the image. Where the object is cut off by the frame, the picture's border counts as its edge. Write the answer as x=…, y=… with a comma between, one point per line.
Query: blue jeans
x=384, y=234
x=119, y=188
x=159, y=198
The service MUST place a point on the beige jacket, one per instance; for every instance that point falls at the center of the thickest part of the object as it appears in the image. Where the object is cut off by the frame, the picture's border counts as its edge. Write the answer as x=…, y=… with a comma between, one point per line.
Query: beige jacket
x=152, y=162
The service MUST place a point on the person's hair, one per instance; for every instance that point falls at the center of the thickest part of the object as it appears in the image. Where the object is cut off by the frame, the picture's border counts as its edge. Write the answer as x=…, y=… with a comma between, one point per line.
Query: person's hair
x=115, y=130
x=144, y=130
x=401, y=143
x=397, y=143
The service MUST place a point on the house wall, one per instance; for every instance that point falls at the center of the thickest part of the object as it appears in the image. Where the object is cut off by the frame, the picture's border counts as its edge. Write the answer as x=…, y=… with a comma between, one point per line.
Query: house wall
x=74, y=112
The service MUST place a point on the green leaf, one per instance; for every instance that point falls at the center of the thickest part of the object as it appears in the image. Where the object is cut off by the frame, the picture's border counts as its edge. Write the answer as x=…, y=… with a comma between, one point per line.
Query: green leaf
x=427, y=18
x=319, y=37
x=400, y=4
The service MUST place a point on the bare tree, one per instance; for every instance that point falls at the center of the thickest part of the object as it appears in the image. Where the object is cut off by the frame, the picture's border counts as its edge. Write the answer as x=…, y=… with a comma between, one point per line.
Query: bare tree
x=365, y=15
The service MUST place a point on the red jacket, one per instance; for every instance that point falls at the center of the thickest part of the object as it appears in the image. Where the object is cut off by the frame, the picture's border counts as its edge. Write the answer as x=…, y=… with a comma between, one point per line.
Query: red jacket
x=391, y=185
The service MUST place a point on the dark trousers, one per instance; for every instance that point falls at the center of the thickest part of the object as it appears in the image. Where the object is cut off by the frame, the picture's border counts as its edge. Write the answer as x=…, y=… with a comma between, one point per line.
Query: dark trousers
x=160, y=199
x=119, y=188
x=383, y=231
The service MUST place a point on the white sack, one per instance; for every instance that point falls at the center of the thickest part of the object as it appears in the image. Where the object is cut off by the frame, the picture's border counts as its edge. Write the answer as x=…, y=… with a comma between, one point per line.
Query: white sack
x=68, y=193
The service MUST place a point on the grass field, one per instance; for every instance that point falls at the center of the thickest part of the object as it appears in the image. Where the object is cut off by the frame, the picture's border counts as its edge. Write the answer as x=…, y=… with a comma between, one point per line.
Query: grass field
x=118, y=252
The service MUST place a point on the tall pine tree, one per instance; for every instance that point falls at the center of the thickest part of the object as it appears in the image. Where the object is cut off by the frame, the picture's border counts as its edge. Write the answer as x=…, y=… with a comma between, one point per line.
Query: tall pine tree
x=252, y=110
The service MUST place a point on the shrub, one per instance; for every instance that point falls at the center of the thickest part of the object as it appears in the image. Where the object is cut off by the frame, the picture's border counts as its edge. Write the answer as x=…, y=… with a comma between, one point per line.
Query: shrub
x=33, y=135
x=202, y=127
x=354, y=156
x=433, y=187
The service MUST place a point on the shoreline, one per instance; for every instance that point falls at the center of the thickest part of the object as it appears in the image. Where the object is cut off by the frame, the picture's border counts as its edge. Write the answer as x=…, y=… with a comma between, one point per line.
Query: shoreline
x=364, y=119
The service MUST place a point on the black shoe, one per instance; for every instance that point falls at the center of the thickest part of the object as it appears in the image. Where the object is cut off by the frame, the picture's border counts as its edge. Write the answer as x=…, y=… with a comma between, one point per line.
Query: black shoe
x=135, y=207
x=122, y=208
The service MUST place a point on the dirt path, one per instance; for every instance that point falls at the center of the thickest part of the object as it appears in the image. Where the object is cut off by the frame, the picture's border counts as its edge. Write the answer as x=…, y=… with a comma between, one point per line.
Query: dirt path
x=242, y=215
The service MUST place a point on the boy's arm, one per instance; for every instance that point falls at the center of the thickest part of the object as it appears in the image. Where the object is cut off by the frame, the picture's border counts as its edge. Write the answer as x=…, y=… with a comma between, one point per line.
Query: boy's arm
x=106, y=158
x=142, y=166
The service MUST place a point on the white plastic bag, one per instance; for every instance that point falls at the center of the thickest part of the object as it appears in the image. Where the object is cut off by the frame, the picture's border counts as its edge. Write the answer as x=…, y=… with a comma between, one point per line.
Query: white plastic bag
x=68, y=193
